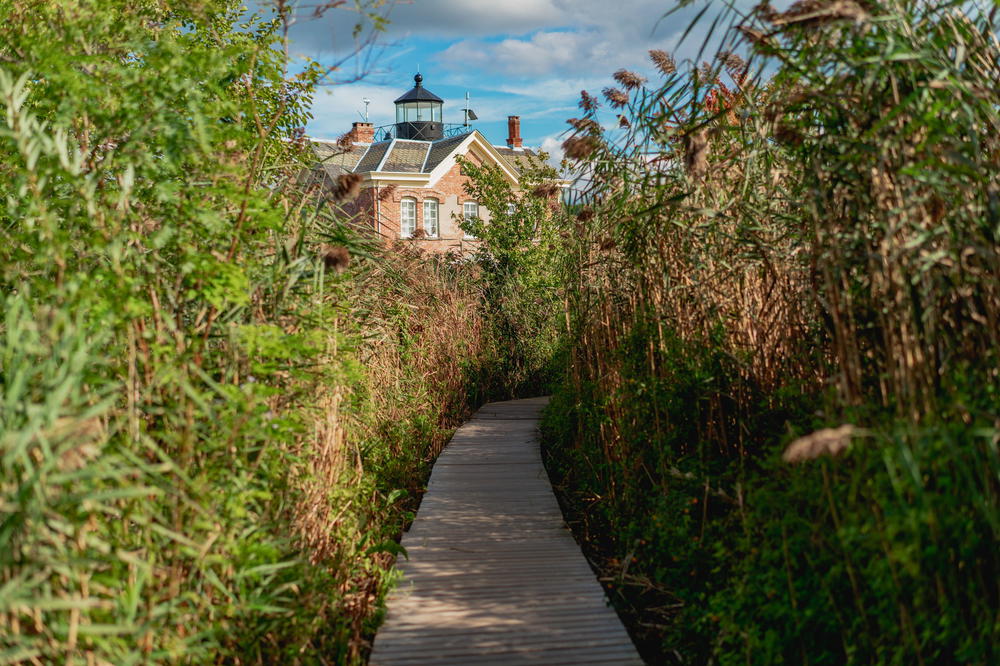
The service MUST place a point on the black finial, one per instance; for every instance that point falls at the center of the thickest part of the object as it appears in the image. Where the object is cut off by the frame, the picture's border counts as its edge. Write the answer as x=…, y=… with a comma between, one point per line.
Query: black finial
x=418, y=79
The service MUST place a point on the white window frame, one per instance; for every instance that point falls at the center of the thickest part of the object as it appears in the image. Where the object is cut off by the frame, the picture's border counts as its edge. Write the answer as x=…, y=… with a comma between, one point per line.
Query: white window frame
x=468, y=206
x=511, y=209
x=435, y=206
x=407, y=217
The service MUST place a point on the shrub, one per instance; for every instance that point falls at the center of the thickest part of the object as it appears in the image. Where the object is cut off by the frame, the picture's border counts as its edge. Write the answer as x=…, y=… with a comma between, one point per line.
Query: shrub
x=212, y=433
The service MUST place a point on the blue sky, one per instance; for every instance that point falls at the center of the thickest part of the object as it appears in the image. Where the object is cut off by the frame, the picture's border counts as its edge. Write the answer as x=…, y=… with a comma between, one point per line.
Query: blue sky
x=514, y=57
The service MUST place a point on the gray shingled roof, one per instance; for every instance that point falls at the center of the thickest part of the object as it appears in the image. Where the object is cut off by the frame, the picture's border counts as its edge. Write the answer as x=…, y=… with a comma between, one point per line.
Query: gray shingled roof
x=372, y=158
x=406, y=156
x=519, y=159
x=441, y=149
x=334, y=159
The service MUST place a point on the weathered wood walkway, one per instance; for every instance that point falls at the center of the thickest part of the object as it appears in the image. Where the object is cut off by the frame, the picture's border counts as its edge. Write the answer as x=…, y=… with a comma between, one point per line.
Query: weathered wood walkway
x=494, y=575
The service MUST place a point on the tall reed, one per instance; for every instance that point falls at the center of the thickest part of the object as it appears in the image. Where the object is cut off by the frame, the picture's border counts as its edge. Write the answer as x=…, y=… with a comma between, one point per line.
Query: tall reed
x=215, y=408
x=794, y=238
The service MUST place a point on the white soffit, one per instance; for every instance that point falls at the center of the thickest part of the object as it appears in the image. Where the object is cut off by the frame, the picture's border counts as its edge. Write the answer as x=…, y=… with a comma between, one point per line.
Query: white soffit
x=461, y=149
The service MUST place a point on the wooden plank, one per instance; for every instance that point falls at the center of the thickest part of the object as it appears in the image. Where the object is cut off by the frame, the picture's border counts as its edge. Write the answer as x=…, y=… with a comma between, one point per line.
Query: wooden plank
x=493, y=575
x=612, y=655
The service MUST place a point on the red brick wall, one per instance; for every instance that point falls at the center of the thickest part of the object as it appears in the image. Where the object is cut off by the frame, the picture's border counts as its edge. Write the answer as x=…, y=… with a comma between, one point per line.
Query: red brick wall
x=450, y=193
x=362, y=209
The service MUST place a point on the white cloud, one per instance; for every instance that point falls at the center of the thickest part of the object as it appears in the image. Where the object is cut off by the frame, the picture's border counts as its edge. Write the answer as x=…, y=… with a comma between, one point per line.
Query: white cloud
x=553, y=146
x=541, y=54
x=542, y=36
x=594, y=38
x=525, y=57
x=457, y=18
x=550, y=88
x=336, y=107
x=331, y=32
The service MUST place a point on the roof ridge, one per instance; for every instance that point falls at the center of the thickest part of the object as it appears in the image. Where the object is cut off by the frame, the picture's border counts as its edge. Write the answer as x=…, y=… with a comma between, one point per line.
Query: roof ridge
x=423, y=165
x=362, y=158
x=385, y=156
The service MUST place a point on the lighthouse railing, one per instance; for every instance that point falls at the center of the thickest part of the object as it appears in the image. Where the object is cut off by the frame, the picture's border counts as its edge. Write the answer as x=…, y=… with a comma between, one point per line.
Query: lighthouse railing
x=389, y=132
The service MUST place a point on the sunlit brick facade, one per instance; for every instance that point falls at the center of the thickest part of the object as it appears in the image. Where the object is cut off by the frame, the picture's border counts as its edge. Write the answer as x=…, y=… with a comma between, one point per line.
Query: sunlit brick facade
x=413, y=189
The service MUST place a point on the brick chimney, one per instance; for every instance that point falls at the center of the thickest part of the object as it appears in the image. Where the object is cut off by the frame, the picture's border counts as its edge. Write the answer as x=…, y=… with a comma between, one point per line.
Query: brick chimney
x=514, y=131
x=362, y=133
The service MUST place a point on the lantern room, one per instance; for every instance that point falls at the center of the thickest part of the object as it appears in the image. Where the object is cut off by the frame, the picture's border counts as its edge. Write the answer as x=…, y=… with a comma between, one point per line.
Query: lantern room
x=419, y=114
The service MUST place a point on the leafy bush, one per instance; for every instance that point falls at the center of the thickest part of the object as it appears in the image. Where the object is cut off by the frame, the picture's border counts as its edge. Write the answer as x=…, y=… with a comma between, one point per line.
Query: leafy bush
x=210, y=425
x=518, y=262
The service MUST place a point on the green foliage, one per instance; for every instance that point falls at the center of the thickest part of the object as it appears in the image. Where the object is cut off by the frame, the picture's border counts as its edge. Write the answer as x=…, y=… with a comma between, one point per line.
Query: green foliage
x=194, y=431
x=898, y=192
x=763, y=260
x=517, y=254
x=884, y=557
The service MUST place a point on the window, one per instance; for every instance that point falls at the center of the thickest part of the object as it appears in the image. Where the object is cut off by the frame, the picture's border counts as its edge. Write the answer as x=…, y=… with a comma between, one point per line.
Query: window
x=407, y=218
x=409, y=112
x=511, y=209
x=431, y=217
x=470, y=211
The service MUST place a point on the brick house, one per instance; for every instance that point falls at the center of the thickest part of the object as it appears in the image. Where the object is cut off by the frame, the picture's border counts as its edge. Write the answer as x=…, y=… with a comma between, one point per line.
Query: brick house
x=412, y=186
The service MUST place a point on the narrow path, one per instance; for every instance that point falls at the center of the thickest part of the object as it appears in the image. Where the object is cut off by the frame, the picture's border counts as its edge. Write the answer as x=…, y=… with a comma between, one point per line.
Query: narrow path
x=494, y=575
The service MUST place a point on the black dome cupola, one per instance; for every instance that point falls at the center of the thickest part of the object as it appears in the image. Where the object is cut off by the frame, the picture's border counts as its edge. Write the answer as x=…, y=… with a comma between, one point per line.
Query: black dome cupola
x=418, y=114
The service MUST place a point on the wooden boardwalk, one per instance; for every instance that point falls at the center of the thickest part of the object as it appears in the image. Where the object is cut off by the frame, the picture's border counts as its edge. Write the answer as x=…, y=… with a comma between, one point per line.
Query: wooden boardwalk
x=494, y=575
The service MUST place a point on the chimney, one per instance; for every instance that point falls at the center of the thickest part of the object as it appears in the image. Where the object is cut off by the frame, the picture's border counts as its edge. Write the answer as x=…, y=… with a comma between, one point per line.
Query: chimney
x=514, y=131
x=362, y=133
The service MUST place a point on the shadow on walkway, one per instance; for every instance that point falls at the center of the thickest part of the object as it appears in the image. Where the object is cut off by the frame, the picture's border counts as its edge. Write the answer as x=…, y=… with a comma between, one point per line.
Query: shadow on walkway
x=494, y=575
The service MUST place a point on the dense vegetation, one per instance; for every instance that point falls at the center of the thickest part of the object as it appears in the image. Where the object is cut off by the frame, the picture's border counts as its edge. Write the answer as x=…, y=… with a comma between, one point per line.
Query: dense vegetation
x=518, y=260
x=773, y=316
x=783, y=391
x=216, y=400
